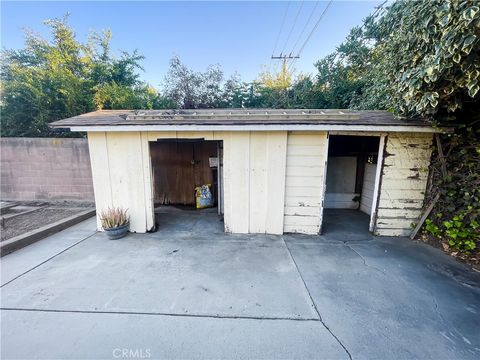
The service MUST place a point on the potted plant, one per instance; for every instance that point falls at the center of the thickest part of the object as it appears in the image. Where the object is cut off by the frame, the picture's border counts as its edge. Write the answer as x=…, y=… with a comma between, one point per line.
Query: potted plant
x=115, y=222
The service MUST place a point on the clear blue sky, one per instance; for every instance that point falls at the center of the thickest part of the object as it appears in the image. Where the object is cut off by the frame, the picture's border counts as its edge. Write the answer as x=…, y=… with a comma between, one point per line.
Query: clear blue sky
x=240, y=36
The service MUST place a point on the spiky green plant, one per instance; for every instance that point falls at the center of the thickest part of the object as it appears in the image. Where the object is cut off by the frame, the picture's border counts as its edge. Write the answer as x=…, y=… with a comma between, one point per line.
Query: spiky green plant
x=113, y=217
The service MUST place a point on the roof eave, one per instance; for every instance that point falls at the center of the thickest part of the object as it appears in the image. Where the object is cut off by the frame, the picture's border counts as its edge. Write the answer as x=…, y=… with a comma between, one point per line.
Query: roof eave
x=256, y=127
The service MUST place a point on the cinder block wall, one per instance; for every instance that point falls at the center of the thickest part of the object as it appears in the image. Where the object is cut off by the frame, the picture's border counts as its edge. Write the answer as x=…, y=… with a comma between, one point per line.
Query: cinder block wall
x=45, y=169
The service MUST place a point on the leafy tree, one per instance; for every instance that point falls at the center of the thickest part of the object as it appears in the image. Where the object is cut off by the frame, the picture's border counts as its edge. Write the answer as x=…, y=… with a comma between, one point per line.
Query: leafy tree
x=444, y=75
x=190, y=89
x=51, y=80
x=306, y=94
x=43, y=82
x=277, y=80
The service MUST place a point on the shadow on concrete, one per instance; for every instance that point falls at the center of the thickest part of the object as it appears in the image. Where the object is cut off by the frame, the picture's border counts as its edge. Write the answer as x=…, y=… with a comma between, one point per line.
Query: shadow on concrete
x=345, y=221
x=188, y=220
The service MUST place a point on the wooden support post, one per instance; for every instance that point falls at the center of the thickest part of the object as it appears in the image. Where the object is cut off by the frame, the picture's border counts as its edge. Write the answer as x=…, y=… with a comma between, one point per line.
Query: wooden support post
x=441, y=156
x=424, y=217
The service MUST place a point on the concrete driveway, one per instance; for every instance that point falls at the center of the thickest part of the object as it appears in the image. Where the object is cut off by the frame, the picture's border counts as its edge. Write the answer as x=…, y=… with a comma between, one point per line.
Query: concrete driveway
x=191, y=291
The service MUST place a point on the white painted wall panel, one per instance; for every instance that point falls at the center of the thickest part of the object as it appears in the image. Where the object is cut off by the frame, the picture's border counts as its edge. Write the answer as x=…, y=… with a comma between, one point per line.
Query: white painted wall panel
x=148, y=181
x=340, y=201
x=236, y=152
x=274, y=181
x=97, y=146
x=341, y=177
x=403, y=183
x=305, y=182
x=276, y=177
x=254, y=173
x=258, y=180
x=127, y=176
x=368, y=188
x=341, y=174
x=254, y=176
x=120, y=176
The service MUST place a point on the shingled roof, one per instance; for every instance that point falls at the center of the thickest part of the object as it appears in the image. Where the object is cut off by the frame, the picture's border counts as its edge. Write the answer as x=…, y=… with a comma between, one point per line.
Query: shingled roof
x=241, y=119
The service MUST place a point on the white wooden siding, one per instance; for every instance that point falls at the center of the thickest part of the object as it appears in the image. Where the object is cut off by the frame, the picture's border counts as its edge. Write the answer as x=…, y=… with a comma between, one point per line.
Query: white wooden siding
x=403, y=183
x=254, y=178
x=97, y=147
x=120, y=176
x=305, y=182
x=274, y=181
x=368, y=188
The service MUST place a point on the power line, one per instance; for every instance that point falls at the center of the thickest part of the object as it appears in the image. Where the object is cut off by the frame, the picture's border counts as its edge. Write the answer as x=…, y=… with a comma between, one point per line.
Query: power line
x=284, y=96
x=280, y=31
x=315, y=27
x=303, y=46
x=313, y=30
x=305, y=26
x=293, y=26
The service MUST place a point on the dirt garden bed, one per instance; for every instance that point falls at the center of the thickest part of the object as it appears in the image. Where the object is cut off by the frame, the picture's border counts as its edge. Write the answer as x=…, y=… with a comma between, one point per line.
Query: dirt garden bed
x=18, y=218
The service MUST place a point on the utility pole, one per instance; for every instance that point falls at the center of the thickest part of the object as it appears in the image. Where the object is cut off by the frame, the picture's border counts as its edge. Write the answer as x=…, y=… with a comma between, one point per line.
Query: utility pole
x=285, y=58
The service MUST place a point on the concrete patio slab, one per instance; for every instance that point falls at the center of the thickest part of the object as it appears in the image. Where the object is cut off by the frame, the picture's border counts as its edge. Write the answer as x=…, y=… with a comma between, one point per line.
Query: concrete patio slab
x=168, y=273
x=105, y=336
x=27, y=258
x=189, y=294
x=391, y=297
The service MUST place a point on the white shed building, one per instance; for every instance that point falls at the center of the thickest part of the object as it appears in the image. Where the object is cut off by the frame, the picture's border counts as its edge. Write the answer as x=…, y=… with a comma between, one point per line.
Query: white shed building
x=273, y=171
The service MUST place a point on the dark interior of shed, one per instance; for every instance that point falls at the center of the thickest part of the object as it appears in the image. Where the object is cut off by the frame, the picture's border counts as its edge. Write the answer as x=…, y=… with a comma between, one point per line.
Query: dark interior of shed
x=181, y=165
x=351, y=172
x=363, y=148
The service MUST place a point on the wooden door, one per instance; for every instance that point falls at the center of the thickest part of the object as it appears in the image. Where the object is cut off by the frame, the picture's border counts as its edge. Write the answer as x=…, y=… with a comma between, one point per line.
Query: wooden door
x=173, y=172
x=178, y=167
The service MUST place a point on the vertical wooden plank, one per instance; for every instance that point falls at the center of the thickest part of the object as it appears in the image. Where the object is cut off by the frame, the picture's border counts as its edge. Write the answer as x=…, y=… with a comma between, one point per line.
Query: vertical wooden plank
x=126, y=176
x=219, y=181
x=174, y=176
x=324, y=179
x=203, y=173
x=97, y=146
x=258, y=182
x=237, y=181
x=148, y=179
x=276, y=170
x=227, y=184
x=368, y=188
x=378, y=176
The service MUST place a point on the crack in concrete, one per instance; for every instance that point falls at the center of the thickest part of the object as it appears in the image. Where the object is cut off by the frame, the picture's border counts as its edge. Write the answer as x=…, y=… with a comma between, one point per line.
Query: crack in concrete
x=313, y=302
x=208, y=316
x=47, y=260
x=363, y=259
x=338, y=340
x=435, y=305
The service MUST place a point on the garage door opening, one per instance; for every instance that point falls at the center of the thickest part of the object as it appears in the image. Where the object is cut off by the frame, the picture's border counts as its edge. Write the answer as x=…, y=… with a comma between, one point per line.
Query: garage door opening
x=351, y=182
x=179, y=166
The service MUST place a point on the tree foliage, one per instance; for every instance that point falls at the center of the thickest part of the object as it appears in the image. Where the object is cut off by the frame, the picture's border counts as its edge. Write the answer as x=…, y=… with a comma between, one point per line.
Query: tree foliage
x=423, y=60
x=51, y=80
x=190, y=89
x=416, y=58
x=429, y=52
